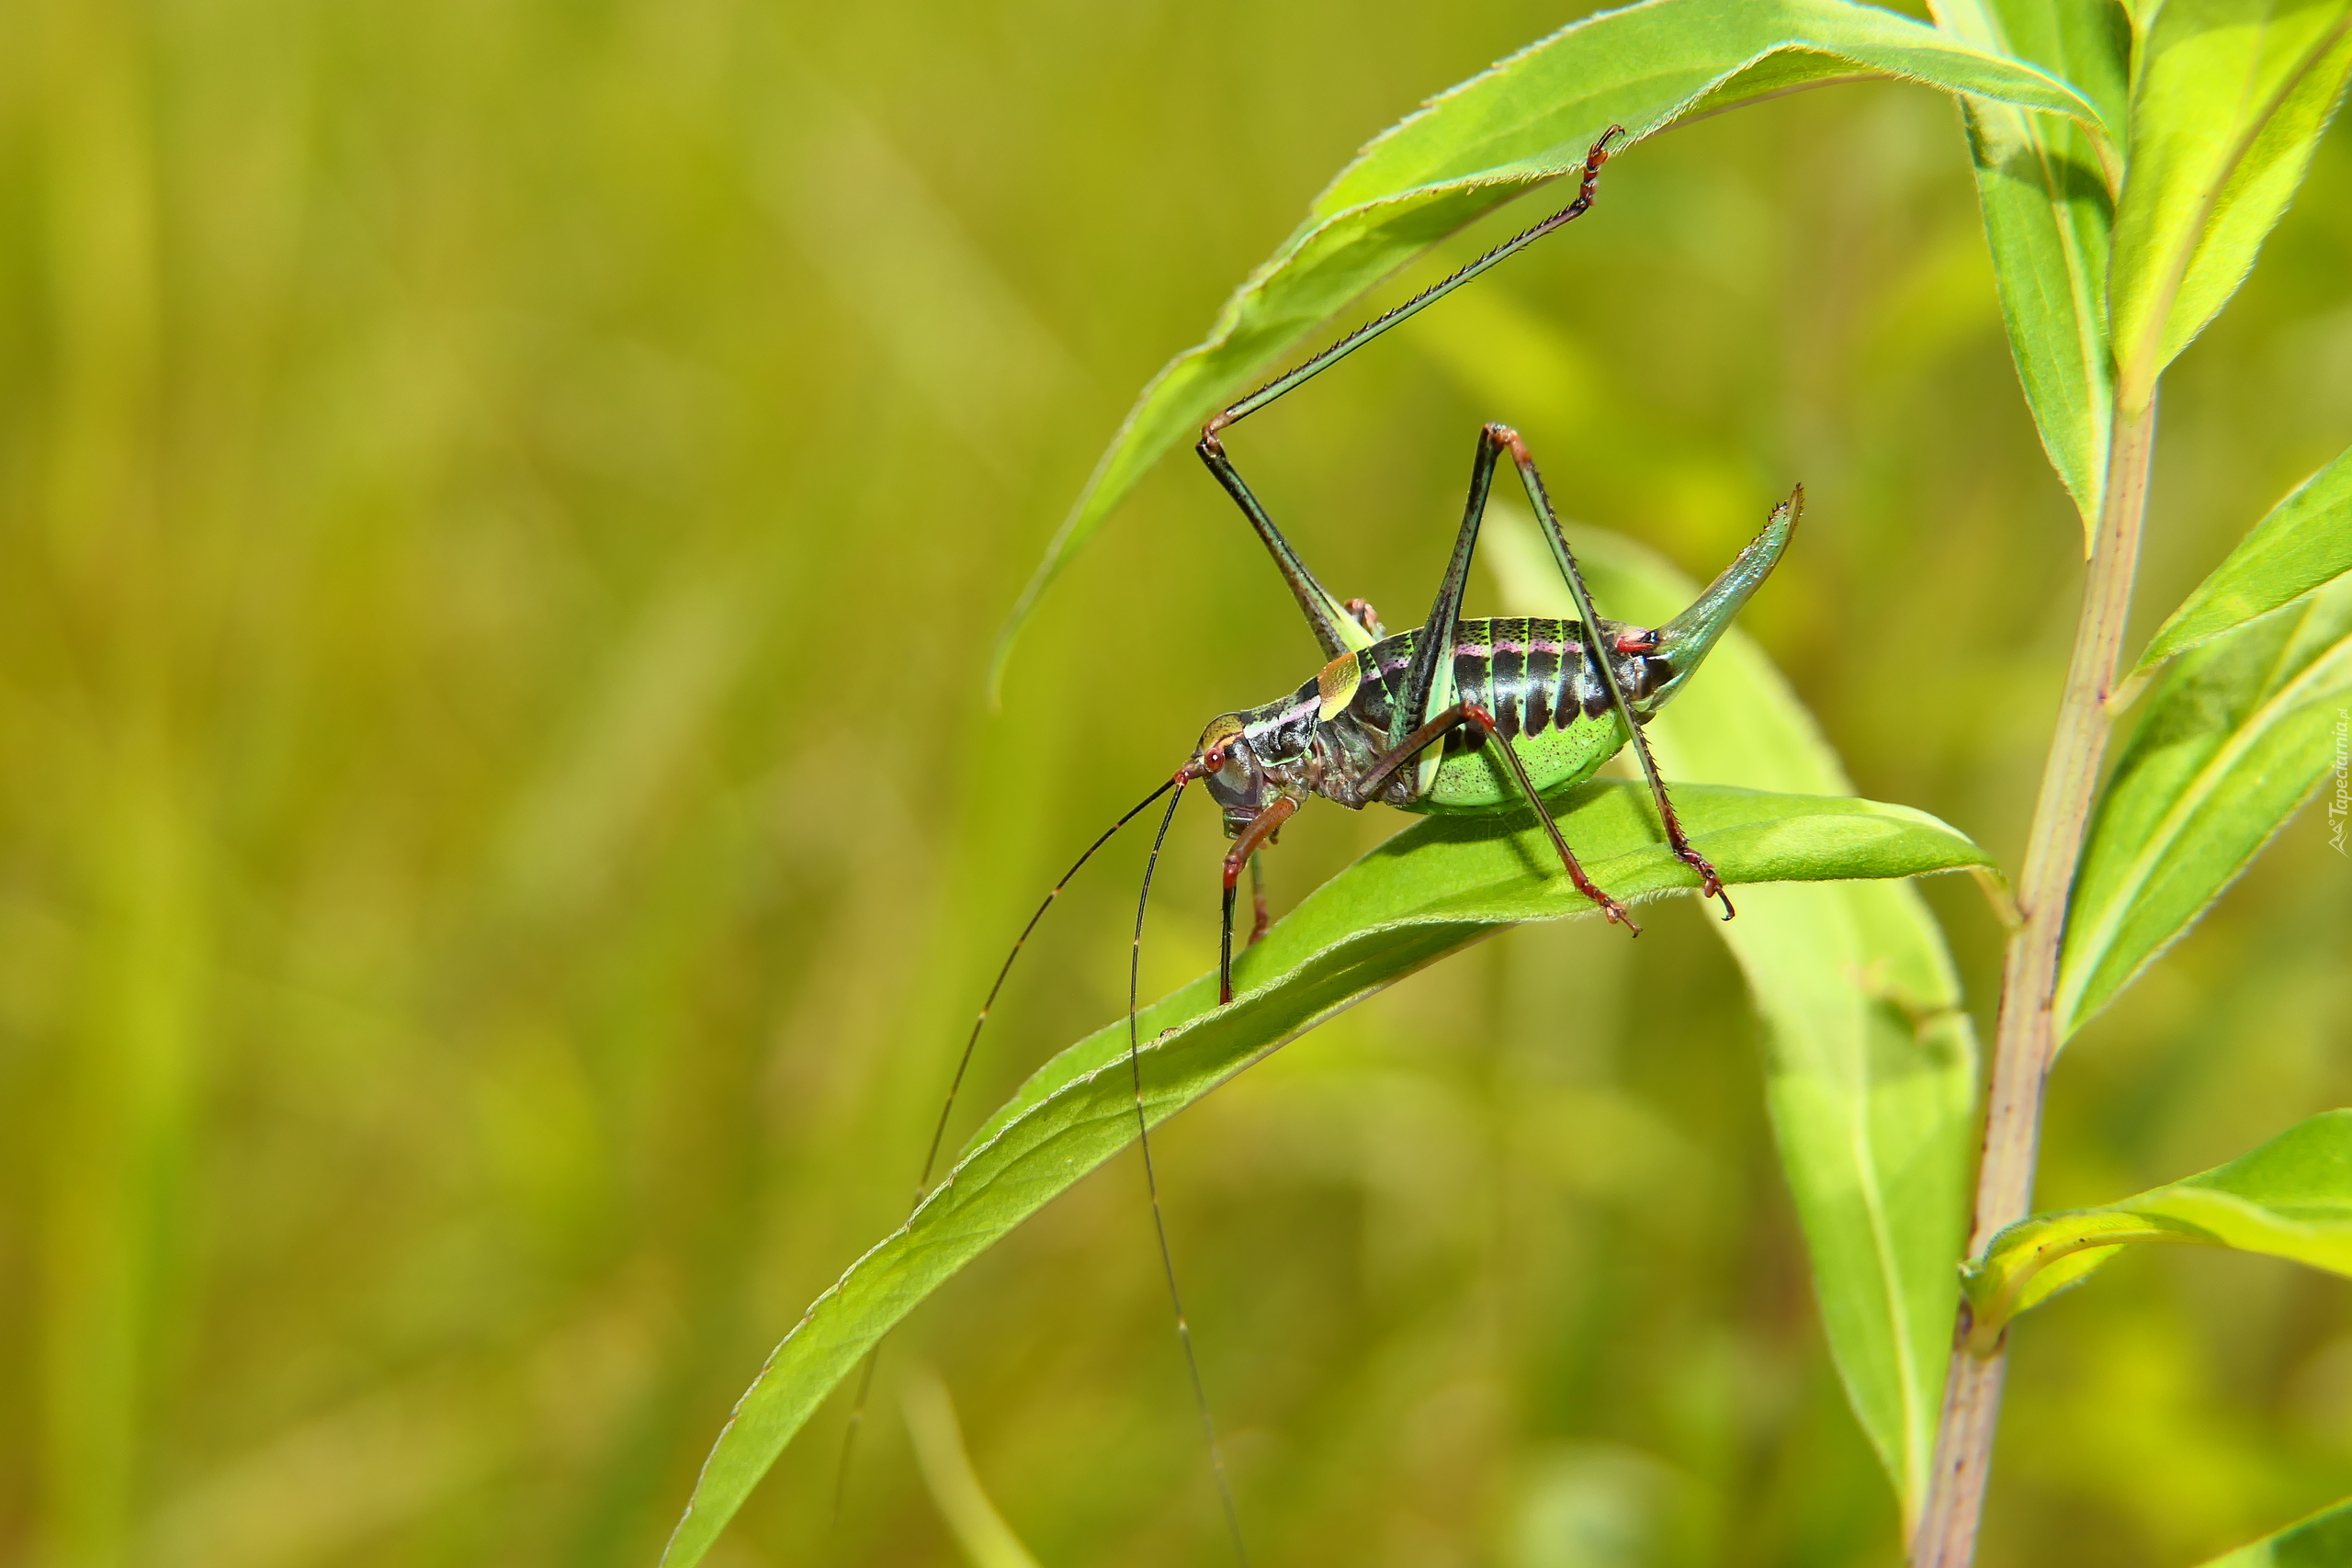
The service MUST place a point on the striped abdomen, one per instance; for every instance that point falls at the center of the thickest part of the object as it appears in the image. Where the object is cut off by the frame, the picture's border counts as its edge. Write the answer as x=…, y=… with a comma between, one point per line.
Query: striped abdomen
x=1531, y=673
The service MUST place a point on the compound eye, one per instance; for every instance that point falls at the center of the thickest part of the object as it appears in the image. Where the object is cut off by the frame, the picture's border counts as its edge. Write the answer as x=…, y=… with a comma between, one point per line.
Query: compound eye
x=1214, y=760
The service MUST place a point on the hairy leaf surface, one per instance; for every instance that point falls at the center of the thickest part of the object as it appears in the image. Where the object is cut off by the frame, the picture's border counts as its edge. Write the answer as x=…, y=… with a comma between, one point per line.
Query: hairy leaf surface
x=1870, y=1064
x=2235, y=736
x=2303, y=545
x=1430, y=891
x=2291, y=1198
x=1520, y=124
x=2048, y=214
x=2230, y=99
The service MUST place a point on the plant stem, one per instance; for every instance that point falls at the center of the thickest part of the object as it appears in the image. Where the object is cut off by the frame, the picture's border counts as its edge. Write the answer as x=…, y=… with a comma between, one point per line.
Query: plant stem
x=2026, y=1040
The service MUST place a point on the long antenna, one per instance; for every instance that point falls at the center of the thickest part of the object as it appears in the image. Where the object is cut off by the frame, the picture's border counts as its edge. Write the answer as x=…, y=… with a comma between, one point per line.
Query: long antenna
x=955, y=1087
x=1152, y=1183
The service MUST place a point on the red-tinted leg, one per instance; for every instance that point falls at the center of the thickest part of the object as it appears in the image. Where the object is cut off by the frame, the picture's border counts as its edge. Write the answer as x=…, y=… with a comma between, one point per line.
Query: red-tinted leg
x=1254, y=838
x=1469, y=713
x=1261, y=917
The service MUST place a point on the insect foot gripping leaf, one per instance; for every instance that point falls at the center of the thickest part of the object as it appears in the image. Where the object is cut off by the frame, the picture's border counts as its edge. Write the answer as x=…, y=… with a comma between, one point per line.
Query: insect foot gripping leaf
x=2291, y=1198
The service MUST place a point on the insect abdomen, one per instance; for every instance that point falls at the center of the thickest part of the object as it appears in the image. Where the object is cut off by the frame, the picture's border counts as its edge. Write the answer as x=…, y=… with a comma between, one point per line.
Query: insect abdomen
x=1532, y=675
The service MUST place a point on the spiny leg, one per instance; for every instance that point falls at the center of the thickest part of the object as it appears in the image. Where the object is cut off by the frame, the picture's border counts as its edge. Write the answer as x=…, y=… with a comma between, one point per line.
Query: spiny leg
x=1428, y=679
x=1152, y=1184
x=1350, y=627
x=1338, y=628
x=1711, y=886
x=1472, y=714
x=1291, y=379
x=1429, y=710
x=1262, y=827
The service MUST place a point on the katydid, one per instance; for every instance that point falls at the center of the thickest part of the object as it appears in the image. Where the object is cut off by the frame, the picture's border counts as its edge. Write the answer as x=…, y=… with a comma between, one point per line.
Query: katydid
x=1485, y=716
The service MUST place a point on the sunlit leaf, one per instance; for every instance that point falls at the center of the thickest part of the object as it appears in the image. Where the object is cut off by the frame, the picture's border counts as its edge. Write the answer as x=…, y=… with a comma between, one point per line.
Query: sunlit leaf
x=2048, y=212
x=1517, y=125
x=2304, y=544
x=2235, y=736
x=1432, y=889
x=2291, y=1198
x=2231, y=98
x=2322, y=1541
x=1870, y=1062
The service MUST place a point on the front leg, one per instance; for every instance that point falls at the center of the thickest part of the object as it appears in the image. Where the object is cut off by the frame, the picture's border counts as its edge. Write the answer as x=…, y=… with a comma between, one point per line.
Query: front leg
x=1245, y=849
x=1338, y=628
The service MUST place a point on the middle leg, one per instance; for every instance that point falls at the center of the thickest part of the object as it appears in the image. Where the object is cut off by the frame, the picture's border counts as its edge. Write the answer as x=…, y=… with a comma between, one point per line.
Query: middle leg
x=1471, y=713
x=1254, y=838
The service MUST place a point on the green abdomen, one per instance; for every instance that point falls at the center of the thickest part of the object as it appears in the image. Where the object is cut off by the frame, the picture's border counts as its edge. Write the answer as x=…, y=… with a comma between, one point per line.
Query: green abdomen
x=1532, y=676
x=1478, y=782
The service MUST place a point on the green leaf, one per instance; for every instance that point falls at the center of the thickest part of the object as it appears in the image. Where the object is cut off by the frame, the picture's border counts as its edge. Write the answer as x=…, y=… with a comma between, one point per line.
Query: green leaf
x=2304, y=544
x=1432, y=890
x=1870, y=1062
x=2291, y=1198
x=1520, y=124
x=2323, y=1540
x=2234, y=738
x=2230, y=99
x=2048, y=212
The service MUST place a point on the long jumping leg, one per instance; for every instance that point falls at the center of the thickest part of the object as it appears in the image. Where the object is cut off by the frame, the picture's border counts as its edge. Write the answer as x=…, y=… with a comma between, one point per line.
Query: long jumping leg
x=1346, y=627
x=1428, y=679
x=1428, y=711
x=1290, y=381
x=1710, y=885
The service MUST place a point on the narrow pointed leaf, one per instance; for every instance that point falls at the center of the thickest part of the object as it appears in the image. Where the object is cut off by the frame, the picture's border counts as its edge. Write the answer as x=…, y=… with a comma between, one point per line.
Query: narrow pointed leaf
x=2303, y=546
x=1432, y=889
x=2232, y=97
x=2322, y=1541
x=2048, y=213
x=2291, y=1198
x=1870, y=1062
x=971, y=1515
x=2235, y=736
x=1520, y=124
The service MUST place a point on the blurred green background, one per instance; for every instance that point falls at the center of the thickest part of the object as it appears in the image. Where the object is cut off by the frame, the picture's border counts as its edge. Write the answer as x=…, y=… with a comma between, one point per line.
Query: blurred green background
x=503, y=507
